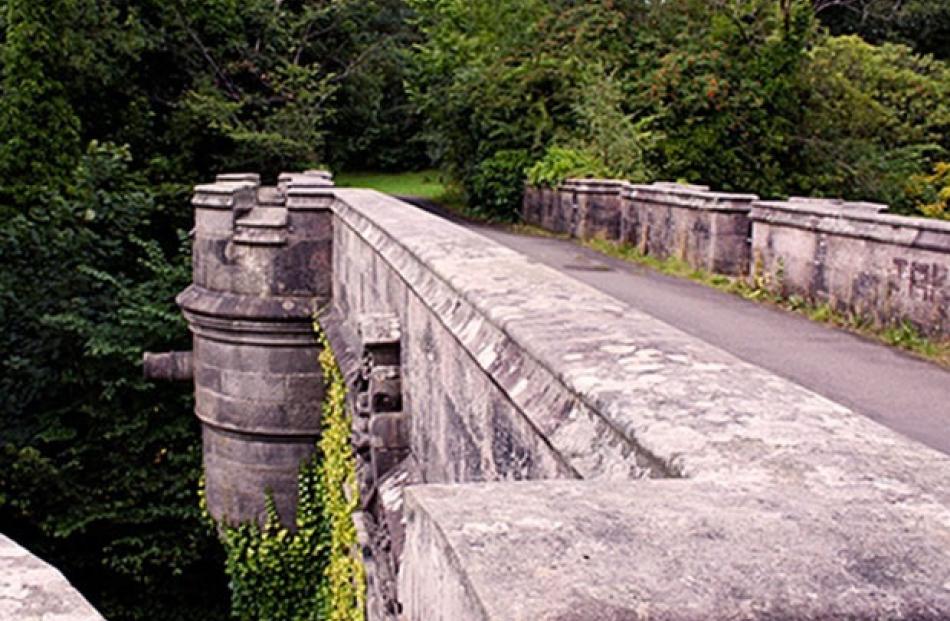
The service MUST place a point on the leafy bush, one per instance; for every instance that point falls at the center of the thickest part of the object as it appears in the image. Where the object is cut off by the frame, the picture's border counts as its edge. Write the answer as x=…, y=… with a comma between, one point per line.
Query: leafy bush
x=559, y=164
x=930, y=193
x=497, y=183
x=607, y=132
x=876, y=115
x=310, y=574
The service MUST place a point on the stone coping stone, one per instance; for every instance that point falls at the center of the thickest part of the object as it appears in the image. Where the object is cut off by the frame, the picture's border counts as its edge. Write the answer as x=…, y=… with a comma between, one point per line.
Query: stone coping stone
x=225, y=195
x=692, y=409
x=264, y=218
x=669, y=550
x=254, y=178
x=32, y=590
x=307, y=179
x=839, y=203
x=690, y=197
x=583, y=185
x=862, y=223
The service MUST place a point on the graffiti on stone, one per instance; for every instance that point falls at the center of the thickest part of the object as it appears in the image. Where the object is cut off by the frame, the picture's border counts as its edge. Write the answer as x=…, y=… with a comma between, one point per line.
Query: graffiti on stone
x=925, y=281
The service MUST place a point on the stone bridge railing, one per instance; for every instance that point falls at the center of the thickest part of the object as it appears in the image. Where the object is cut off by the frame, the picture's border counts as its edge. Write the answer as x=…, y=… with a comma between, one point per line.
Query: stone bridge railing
x=849, y=255
x=533, y=449
x=32, y=590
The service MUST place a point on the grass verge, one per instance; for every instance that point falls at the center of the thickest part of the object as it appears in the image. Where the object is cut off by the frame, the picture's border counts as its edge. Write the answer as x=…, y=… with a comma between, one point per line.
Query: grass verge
x=424, y=183
x=428, y=184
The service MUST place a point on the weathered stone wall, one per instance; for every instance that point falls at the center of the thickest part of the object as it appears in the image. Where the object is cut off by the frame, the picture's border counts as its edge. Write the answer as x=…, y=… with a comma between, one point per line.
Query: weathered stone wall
x=707, y=230
x=890, y=268
x=491, y=411
x=883, y=266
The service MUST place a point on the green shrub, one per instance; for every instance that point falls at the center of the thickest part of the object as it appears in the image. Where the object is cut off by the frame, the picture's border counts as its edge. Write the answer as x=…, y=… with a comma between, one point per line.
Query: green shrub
x=497, y=183
x=275, y=573
x=310, y=574
x=618, y=143
x=559, y=164
x=876, y=115
x=930, y=193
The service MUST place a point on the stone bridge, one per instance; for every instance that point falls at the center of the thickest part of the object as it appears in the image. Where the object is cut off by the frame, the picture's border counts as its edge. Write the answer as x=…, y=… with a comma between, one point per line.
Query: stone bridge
x=532, y=448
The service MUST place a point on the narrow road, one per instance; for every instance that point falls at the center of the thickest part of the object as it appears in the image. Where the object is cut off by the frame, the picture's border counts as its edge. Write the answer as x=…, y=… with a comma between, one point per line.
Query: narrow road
x=898, y=390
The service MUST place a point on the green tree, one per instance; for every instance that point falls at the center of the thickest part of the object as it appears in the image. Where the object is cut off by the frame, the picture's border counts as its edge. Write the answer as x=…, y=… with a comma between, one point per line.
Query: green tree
x=39, y=131
x=876, y=116
x=722, y=81
x=98, y=468
x=498, y=79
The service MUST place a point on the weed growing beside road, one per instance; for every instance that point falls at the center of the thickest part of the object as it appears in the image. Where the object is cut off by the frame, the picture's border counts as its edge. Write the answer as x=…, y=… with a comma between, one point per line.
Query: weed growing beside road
x=763, y=288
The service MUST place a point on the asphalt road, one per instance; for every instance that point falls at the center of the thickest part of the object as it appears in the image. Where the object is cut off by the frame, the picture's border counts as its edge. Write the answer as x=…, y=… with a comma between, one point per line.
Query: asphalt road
x=898, y=390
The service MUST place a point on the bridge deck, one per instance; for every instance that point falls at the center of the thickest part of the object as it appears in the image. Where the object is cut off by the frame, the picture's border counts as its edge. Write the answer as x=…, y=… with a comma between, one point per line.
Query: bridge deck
x=895, y=389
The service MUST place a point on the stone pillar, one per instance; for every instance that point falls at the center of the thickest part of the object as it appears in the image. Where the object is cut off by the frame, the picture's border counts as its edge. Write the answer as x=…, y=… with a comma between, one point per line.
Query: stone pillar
x=597, y=208
x=261, y=269
x=532, y=204
x=707, y=230
x=562, y=208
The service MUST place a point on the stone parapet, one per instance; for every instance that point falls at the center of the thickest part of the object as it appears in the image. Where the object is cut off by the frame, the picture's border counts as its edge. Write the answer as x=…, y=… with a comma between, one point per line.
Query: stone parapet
x=707, y=230
x=670, y=550
x=856, y=259
x=597, y=207
x=549, y=208
x=32, y=590
x=775, y=503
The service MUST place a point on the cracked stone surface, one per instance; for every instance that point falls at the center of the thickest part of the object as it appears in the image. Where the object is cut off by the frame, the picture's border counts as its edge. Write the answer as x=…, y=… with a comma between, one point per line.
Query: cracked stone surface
x=32, y=590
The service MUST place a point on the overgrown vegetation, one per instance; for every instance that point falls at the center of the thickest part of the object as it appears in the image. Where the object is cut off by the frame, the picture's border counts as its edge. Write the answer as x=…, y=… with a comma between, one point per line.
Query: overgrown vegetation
x=111, y=111
x=310, y=573
x=755, y=96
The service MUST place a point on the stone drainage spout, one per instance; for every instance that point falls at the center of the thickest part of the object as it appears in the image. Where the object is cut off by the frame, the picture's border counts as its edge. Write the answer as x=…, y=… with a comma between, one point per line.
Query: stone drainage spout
x=169, y=366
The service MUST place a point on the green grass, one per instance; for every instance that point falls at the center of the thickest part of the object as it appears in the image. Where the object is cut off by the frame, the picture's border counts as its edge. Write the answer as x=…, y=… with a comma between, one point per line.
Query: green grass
x=424, y=183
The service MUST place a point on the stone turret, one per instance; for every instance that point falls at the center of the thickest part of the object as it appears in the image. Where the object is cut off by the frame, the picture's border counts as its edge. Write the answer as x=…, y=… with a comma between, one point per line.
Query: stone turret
x=261, y=263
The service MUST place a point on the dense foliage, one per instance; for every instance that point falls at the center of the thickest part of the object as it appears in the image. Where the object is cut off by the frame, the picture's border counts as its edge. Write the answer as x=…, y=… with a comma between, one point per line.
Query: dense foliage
x=751, y=96
x=308, y=574
x=924, y=25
